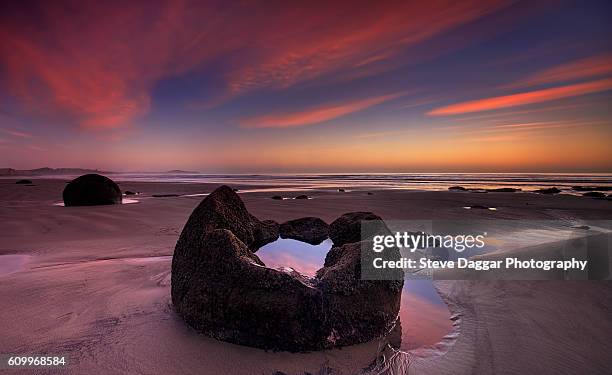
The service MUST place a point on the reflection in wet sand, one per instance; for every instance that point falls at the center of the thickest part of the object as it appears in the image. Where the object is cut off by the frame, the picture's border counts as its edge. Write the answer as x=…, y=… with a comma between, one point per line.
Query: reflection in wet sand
x=12, y=263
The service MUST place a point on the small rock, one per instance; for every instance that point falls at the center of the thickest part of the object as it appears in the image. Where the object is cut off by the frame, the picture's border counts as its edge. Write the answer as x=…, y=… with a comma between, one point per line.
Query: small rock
x=277, y=197
x=311, y=230
x=584, y=227
x=594, y=194
x=347, y=228
x=302, y=197
x=457, y=188
x=341, y=190
x=552, y=190
x=128, y=192
x=504, y=190
x=479, y=207
x=23, y=182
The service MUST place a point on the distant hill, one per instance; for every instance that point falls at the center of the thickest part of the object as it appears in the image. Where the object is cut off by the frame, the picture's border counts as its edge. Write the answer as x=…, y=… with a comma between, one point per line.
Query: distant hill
x=180, y=171
x=46, y=171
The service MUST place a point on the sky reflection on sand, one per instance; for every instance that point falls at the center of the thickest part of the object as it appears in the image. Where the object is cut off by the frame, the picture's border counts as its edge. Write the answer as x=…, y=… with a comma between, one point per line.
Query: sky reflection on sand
x=12, y=263
x=425, y=318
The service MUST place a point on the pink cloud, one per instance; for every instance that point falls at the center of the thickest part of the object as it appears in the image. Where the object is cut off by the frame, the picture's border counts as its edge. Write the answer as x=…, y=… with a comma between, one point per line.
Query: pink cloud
x=314, y=115
x=96, y=64
x=593, y=66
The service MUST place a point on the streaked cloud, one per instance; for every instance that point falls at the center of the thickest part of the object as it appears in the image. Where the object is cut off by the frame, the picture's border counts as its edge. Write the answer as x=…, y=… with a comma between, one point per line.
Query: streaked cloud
x=300, y=44
x=16, y=133
x=314, y=115
x=97, y=64
x=593, y=66
x=525, y=98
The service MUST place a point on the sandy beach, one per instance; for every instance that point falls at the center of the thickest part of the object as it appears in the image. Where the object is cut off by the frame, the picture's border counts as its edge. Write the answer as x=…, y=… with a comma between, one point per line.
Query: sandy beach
x=92, y=283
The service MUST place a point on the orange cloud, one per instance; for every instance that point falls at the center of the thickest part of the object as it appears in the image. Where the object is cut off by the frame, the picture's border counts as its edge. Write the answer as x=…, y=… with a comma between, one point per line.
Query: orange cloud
x=583, y=68
x=524, y=98
x=314, y=115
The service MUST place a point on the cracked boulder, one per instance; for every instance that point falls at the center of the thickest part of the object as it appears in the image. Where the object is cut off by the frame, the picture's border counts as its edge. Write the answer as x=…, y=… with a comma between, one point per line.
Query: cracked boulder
x=221, y=288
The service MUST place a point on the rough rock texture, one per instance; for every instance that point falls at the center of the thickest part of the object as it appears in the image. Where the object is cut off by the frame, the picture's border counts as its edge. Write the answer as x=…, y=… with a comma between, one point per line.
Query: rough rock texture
x=231, y=296
x=91, y=190
x=221, y=288
x=357, y=310
x=307, y=229
x=347, y=228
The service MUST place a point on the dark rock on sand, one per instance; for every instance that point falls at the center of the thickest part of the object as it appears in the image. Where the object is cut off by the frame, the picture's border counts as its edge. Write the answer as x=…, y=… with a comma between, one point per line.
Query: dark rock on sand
x=221, y=288
x=302, y=197
x=23, y=182
x=347, y=228
x=457, y=188
x=164, y=195
x=504, y=190
x=90, y=190
x=341, y=190
x=277, y=197
x=479, y=207
x=552, y=190
x=307, y=229
x=594, y=194
x=370, y=193
x=129, y=192
x=583, y=227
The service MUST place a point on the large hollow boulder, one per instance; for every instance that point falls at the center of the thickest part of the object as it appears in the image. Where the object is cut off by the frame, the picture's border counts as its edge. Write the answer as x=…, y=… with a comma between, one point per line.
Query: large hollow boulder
x=221, y=288
x=311, y=230
x=91, y=190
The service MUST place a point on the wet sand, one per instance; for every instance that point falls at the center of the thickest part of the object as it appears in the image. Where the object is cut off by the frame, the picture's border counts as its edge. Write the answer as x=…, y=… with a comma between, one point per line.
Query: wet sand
x=94, y=285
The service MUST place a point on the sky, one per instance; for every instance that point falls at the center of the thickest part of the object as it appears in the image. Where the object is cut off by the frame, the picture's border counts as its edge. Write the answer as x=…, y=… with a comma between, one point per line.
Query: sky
x=303, y=86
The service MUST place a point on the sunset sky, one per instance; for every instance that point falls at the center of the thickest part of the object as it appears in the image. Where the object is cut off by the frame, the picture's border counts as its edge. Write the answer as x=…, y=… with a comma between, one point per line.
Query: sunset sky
x=407, y=86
